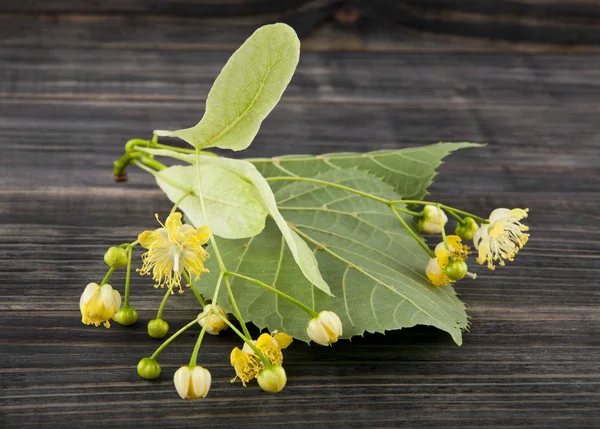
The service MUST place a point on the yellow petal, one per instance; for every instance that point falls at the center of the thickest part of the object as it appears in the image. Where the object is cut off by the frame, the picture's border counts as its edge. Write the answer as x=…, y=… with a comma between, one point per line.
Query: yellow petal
x=236, y=356
x=283, y=339
x=146, y=239
x=173, y=223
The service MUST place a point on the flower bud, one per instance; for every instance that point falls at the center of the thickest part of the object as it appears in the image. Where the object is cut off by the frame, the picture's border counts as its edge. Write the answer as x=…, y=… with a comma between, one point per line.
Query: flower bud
x=272, y=379
x=98, y=304
x=148, y=368
x=158, y=328
x=466, y=230
x=456, y=270
x=214, y=323
x=433, y=220
x=324, y=329
x=126, y=316
x=115, y=257
x=192, y=382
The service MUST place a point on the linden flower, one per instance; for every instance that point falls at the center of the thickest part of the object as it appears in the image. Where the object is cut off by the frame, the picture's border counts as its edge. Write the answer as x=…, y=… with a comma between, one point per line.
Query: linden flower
x=173, y=249
x=192, y=382
x=436, y=268
x=433, y=220
x=502, y=238
x=98, y=304
x=248, y=365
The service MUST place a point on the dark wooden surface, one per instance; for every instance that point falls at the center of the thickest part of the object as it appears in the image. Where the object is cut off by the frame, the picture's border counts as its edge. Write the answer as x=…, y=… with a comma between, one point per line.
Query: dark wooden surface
x=75, y=86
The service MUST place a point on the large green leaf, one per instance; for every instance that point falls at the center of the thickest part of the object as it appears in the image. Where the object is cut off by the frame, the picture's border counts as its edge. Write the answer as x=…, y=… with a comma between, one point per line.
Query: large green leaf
x=374, y=268
x=246, y=90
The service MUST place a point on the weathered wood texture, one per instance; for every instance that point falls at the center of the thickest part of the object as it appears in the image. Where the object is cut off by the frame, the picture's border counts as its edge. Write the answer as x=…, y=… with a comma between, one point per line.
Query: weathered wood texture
x=73, y=89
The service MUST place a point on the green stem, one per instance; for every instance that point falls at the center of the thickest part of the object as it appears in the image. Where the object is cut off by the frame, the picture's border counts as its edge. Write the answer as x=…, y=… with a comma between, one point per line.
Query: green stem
x=163, y=302
x=257, y=282
x=443, y=229
x=212, y=237
x=196, y=293
x=152, y=163
x=128, y=276
x=236, y=310
x=194, y=356
x=455, y=216
x=172, y=337
x=145, y=168
x=248, y=341
x=443, y=206
x=107, y=276
x=183, y=197
x=412, y=233
x=333, y=185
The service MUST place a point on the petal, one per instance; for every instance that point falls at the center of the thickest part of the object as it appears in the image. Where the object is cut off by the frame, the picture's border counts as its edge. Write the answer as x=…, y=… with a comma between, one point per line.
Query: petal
x=264, y=340
x=181, y=379
x=499, y=214
x=88, y=293
x=107, y=297
x=173, y=223
x=283, y=339
x=146, y=238
x=236, y=356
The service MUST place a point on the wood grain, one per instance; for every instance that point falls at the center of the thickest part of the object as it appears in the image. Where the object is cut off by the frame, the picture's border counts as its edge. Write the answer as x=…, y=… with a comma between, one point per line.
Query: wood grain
x=73, y=89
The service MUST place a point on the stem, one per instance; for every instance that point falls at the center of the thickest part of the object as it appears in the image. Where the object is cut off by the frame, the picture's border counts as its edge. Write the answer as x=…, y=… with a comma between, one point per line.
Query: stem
x=171, y=338
x=236, y=310
x=196, y=293
x=163, y=302
x=194, y=356
x=443, y=229
x=443, y=206
x=333, y=185
x=248, y=341
x=143, y=167
x=107, y=276
x=128, y=276
x=183, y=197
x=212, y=237
x=455, y=216
x=412, y=233
x=257, y=282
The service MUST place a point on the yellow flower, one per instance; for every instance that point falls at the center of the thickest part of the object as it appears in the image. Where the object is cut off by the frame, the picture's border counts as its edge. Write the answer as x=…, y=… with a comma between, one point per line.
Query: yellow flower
x=502, y=238
x=247, y=365
x=436, y=268
x=98, y=304
x=192, y=382
x=172, y=249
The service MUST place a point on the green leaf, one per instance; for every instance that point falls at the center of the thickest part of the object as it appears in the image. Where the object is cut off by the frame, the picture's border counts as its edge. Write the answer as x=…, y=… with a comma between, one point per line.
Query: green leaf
x=410, y=171
x=374, y=268
x=246, y=90
x=232, y=207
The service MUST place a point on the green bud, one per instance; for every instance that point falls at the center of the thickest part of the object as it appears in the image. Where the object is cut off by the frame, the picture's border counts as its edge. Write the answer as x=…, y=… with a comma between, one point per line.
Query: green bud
x=148, y=368
x=272, y=379
x=467, y=228
x=126, y=316
x=456, y=270
x=158, y=328
x=115, y=257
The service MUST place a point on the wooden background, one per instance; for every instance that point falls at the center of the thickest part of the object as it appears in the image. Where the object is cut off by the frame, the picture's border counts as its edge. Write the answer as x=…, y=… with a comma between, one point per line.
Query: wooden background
x=77, y=79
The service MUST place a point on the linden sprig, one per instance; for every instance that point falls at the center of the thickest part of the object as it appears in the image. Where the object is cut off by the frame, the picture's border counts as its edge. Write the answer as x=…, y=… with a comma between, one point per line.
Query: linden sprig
x=358, y=215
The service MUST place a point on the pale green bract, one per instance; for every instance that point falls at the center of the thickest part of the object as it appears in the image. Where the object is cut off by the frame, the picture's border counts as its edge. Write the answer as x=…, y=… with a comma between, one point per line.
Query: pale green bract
x=374, y=268
x=231, y=204
x=246, y=90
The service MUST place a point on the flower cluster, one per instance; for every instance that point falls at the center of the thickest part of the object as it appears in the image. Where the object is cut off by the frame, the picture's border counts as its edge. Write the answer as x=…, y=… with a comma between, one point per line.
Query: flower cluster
x=497, y=239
